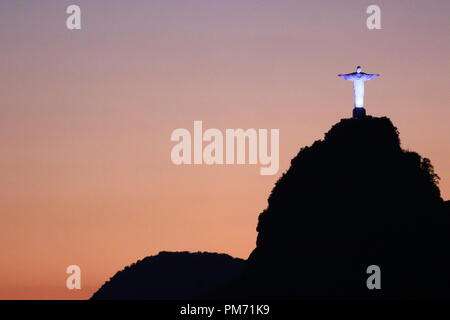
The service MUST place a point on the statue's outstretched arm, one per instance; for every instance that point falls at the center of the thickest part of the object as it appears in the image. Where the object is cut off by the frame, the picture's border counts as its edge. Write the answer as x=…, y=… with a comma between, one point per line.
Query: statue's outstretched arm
x=348, y=76
x=371, y=76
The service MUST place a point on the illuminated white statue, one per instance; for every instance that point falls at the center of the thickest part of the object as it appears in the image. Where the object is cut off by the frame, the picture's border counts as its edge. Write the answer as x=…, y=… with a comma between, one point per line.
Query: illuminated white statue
x=358, y=79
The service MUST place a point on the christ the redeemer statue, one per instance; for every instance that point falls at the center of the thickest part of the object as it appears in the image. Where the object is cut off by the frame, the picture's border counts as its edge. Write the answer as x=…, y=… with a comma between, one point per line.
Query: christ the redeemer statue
x=358, y=79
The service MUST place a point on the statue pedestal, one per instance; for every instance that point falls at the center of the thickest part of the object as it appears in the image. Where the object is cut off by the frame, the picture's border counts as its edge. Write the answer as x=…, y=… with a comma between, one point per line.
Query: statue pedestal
x=359, y=113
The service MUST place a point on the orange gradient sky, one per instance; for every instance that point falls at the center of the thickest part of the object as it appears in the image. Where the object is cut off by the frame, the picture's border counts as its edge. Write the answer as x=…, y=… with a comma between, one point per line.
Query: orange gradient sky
x=86, y=119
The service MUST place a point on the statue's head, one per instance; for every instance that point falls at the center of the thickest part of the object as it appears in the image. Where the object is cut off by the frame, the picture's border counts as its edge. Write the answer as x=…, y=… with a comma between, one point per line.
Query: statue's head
x=358, y=69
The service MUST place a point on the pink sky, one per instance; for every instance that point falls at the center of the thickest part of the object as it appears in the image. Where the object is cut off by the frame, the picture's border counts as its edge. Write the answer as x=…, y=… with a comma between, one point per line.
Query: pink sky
x=86, y=119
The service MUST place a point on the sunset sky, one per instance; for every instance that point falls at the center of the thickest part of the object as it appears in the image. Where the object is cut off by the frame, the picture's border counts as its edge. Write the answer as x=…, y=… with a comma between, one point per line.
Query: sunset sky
x=86, y=118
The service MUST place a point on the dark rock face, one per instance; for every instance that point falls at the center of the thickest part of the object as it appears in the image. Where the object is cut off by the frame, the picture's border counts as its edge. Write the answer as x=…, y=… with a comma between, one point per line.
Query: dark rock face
x=172, y=276
x=353, y=200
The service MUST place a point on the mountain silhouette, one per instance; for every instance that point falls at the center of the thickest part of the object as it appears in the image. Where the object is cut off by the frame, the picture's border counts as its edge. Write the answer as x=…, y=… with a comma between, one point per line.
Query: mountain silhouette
x=353, y=200
x=347, y=202
x=171, y=276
